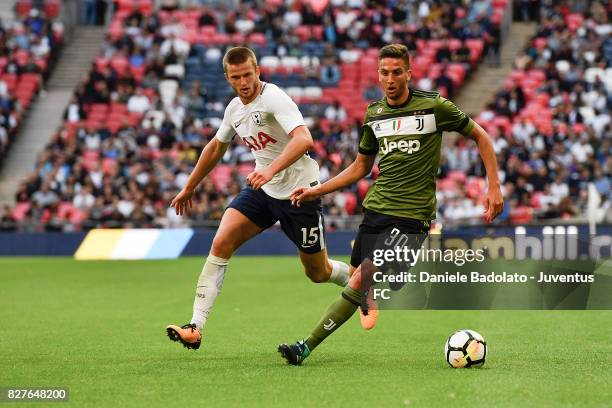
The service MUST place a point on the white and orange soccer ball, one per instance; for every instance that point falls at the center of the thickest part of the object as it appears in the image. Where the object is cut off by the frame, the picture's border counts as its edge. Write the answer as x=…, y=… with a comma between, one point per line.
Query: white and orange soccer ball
x=465, y=348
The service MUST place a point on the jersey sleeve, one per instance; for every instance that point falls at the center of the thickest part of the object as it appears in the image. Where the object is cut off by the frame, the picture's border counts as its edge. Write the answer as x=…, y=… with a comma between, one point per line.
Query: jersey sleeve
x=226, y=132
x=368, y=144
x=285, y=111
x=451, y=119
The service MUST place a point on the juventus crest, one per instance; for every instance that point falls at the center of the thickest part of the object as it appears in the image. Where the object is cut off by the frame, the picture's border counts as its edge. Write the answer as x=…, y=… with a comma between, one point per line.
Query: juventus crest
x=257, y=118
x=420, y=123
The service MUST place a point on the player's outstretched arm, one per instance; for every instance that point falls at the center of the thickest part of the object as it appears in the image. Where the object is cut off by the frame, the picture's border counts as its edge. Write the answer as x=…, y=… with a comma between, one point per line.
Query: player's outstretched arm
x=212, y=153
x=361, y=167
x=300, y=143
x=494, y=201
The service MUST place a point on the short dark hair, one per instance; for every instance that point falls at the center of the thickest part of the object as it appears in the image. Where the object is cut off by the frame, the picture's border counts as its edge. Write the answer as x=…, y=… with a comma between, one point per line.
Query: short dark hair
x=238, y=55
x=395, y=51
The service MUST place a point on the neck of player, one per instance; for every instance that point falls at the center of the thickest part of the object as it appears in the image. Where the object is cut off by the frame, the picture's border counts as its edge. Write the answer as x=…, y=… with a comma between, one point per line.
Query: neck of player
x=400, y=100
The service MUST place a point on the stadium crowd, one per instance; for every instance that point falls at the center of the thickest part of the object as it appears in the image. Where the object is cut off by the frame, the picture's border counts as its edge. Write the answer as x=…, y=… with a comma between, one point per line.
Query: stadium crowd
x=27, y=48
x=550, y=124
x=153, y=99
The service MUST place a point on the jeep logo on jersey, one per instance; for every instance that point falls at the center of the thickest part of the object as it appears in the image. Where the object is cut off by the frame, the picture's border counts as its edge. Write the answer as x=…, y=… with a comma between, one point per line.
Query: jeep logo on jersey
x=404, y=146
x=257, y=118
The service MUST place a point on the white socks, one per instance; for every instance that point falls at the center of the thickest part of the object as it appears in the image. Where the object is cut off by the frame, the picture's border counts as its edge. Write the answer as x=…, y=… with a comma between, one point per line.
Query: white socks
x=339, y=274
x=211, y=281
x=209, y=286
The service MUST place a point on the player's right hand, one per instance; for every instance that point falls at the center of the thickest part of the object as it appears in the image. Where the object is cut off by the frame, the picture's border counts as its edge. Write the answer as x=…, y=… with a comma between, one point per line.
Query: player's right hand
x=181, y=201
x=301, y=194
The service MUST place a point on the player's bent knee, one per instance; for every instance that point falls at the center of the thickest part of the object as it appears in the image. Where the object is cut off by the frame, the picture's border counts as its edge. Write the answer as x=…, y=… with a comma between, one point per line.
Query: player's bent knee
x=317, y=275
x=223, y=246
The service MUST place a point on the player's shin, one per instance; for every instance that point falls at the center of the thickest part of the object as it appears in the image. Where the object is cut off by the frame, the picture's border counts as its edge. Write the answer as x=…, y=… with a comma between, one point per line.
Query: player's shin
x=335, y=316
x=209, y=286
x=339, y=273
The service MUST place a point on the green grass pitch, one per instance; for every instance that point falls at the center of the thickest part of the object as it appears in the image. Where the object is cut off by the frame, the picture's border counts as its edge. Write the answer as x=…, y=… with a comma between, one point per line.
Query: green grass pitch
x=99, y=329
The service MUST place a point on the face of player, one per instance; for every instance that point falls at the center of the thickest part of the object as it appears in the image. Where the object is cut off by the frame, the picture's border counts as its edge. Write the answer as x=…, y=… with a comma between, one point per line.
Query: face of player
x=393, y=76
x=244, y=79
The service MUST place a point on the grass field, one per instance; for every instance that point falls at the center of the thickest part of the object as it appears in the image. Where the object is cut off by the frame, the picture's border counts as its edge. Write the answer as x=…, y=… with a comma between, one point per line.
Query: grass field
x=98, y=328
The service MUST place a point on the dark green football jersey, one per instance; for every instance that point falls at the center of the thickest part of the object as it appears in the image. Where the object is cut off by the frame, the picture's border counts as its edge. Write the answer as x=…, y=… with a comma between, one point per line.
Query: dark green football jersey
x=408, y=140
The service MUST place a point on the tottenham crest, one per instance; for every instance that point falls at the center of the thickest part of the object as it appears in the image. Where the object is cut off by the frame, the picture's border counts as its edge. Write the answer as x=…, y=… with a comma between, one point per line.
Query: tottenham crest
x=257, y=118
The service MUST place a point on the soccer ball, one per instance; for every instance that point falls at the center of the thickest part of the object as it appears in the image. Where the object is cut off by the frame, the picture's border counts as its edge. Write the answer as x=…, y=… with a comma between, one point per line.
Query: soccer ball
x=465, y=348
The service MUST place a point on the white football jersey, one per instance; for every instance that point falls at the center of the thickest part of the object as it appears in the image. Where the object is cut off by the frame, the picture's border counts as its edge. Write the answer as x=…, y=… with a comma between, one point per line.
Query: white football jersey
x=264, y=126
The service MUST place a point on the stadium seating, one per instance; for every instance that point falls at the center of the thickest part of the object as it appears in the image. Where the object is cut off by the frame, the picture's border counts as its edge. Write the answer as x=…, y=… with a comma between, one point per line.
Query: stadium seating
x=551, y=127
x=29, y=46
x=135, y=129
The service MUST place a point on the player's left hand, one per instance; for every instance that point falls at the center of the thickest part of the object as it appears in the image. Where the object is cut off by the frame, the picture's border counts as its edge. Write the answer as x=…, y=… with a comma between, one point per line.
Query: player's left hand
x=494, y=203
x=258, y=178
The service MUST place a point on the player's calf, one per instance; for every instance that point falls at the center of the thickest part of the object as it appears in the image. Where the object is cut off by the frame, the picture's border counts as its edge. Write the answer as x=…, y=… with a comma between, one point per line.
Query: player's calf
x=320, y=269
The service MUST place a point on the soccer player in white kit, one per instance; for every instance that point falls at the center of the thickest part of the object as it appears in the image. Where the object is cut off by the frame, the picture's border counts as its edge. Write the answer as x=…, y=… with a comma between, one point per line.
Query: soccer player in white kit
x=271, y=125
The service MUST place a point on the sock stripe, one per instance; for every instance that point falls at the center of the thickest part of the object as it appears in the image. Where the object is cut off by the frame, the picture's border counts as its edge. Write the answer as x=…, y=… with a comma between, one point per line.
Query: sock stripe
x=345, y=296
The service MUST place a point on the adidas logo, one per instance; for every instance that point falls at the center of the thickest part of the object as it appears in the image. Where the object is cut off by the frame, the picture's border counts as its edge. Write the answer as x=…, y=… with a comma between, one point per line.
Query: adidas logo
x=329, y=325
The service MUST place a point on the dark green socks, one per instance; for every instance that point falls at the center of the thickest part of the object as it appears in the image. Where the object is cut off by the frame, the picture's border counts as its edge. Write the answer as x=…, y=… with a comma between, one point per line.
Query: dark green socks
x=337, y=313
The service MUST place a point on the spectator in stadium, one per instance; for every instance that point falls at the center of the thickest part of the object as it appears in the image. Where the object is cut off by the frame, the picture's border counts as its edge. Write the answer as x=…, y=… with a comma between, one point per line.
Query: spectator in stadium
x=335, y=112
x=372, y=92
x=74, y=112
x=207, y=17
x=330, y=73
x=45, y=196
x=144, y=137
x=350, y=54
x=8, y=223
x=443, y=54
x=443, y=81
x=88, y=12
x=138, y=102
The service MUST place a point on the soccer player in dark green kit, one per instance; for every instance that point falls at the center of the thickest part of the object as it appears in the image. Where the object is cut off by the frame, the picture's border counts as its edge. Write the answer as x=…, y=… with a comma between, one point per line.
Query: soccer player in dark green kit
x=405, y=130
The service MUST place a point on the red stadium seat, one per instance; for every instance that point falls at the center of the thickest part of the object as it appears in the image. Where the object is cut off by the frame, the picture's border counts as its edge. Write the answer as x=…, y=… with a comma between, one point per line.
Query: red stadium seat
x=118, y=107
x=22, y=7
x=208, y=30
x=258, y=39
x=52, y=8
x=317, y=32
x=447, y=184
x=20, y=210
x=64, y=210
x=109, y=166
x=304, y=33
x=574, y=21
x=350, y=202
x=221, y=176
x=245, y=169
x=535, y=199
x=221, y=39
x=237, y=39
x=521, y=215
x=457, y=175
x=362, y=188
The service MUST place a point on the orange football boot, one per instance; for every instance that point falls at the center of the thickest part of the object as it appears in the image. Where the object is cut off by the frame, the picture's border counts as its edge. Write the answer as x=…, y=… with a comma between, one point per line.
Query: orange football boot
x=369, y=315
x=189, y=335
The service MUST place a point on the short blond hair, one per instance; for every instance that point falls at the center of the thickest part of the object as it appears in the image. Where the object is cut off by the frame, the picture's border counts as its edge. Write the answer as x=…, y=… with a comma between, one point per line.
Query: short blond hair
x=399, y=51
x=238, y=55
